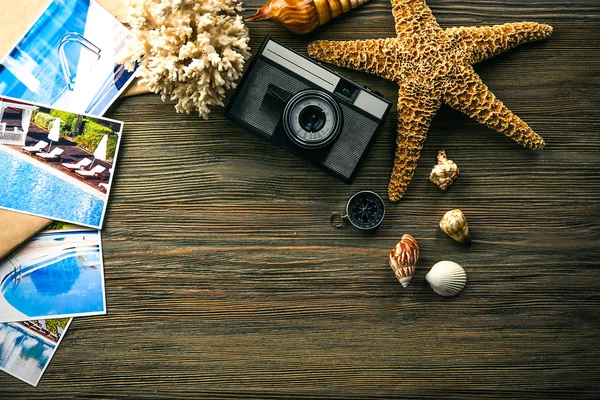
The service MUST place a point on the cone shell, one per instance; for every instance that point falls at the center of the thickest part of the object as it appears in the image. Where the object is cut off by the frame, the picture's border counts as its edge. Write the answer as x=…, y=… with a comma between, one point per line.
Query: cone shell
x=447, y=278
x=454, y=224
x=403, y=259
x=445, y=172
x=303, y=16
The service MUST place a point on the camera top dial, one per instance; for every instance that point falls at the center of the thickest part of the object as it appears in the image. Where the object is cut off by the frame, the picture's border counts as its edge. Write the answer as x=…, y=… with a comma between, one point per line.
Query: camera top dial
x=312, y=119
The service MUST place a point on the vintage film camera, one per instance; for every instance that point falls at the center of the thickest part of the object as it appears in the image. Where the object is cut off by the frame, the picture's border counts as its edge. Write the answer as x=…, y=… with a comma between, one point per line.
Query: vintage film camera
x=307, y=109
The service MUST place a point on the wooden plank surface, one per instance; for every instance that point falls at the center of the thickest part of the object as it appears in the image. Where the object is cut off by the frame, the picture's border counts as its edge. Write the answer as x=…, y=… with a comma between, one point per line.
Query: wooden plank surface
x=224, y=279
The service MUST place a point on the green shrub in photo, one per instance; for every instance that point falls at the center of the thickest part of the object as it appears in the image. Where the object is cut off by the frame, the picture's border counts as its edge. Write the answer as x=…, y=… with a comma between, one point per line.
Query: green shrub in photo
x=92, y=134
x=53, y=324
x=44, y=120
x=68, y=121
x=56, y=225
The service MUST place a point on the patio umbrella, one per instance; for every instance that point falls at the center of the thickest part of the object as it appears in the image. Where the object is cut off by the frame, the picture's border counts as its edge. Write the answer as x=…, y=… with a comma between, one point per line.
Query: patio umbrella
x=54, y=133
x=100, y=152
x=26, y=119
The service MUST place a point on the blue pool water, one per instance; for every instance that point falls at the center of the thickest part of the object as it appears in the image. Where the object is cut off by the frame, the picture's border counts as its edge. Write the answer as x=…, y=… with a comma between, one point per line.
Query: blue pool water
x=27, y=187
x=40, y=46
x=37, y=58
x=22, y=354
x=69, y=283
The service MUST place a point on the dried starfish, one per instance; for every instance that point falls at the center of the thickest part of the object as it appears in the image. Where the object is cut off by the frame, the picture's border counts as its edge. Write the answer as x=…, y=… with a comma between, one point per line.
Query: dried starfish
x=433, y=65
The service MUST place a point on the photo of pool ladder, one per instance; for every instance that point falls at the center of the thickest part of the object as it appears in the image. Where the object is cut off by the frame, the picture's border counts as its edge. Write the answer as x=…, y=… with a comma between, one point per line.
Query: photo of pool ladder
x=74, y=37
x=119, y=77
x=15, y=275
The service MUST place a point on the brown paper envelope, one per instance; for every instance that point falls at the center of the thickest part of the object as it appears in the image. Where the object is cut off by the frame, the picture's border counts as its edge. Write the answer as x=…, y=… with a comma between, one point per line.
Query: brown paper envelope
x=15, y=18
x=15, y=228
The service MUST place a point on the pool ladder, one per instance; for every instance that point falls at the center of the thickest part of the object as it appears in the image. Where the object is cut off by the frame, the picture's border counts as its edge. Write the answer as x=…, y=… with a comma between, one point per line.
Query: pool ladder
x=17, y=273
x=64, y=62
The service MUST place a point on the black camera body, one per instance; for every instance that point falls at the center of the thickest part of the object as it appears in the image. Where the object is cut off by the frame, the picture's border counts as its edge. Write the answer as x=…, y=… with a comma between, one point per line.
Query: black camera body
x=307, y=109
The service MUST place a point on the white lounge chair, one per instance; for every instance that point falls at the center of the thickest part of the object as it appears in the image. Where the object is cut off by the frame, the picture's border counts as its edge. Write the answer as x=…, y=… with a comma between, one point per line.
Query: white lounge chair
x=36, y=148
x=54, y=155
x=94, y=173
x=82, y=164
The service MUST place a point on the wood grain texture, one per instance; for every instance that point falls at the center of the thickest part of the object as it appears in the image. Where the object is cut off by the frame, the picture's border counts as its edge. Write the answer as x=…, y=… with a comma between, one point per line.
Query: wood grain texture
x=224, y=279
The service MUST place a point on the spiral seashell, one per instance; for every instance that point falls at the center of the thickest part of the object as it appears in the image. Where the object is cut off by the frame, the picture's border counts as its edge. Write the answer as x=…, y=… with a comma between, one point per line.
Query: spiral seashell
x=403, y=259
x=454, y=224
x=303, y=16
x=447, y=278
x=445, y=172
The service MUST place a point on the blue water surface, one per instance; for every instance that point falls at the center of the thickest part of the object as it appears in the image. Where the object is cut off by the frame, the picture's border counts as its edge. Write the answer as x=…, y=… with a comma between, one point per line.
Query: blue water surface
x=39, y=51
x=22, y=354
x=66, y=286
x=40, y=44
x=27, y=187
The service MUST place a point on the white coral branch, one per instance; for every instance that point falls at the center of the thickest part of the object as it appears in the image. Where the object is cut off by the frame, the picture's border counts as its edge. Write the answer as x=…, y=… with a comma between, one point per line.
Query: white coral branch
x=191, y=51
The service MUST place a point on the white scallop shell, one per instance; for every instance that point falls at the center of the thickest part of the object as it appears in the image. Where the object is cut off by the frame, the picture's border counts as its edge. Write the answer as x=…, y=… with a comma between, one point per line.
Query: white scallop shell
x=447, y=278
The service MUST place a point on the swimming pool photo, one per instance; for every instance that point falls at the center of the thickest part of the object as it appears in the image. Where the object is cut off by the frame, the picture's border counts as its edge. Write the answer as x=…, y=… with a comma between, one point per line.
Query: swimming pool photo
x=56, y=274
x=27, y=347
x=67, y=60
x=62, y=167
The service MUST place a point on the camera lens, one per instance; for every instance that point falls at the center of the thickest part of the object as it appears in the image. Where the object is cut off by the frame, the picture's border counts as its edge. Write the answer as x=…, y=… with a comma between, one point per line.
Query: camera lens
x=312, y=119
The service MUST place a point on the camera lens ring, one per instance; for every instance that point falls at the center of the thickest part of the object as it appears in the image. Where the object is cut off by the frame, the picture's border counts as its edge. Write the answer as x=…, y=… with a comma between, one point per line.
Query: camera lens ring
x=319, y=137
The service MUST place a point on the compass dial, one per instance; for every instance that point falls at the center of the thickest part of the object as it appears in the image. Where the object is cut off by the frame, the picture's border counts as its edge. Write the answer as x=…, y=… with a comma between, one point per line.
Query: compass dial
x=312, y=119
x=365, y=210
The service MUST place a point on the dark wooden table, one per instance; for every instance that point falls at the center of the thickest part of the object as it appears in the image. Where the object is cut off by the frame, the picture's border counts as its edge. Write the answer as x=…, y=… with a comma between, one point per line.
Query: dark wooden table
x=224, y=278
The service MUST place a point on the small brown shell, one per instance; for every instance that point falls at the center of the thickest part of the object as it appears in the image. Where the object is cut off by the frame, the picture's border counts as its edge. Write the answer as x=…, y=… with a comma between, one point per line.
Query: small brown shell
x=403, y=259
x=454, y=224
x=445, y=172
x=303, y=16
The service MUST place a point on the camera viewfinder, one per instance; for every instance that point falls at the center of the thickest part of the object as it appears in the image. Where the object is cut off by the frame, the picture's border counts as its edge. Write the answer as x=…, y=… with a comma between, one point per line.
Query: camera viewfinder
x=346, y=89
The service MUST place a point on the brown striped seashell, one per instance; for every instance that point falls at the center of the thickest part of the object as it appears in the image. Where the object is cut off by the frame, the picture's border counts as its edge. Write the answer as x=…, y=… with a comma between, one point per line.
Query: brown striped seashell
x=454, y=224
x=303, y=16
x=403, y=259
x=445, y=172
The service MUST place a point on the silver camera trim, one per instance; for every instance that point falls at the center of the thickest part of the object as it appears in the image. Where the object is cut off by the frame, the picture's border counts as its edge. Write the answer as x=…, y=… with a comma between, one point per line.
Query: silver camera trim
x=321, y=77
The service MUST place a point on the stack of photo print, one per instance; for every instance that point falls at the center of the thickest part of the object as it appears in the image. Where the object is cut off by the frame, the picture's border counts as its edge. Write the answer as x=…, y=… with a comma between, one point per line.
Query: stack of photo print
x=58, y=157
